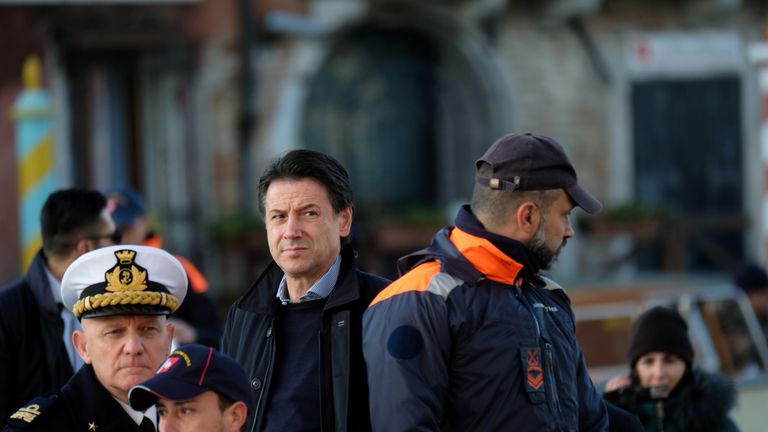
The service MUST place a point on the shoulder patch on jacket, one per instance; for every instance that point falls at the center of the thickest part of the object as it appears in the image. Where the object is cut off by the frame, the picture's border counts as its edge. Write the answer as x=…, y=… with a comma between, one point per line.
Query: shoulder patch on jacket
x=424, y=277
x=551, y=285
x=443, y=283
x=21, y=419
x=415, y=280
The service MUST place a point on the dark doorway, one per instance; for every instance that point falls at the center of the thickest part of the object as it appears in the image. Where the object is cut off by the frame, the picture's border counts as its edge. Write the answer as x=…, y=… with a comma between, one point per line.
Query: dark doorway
x=103, y=105
x=373, y=106
x=688, y=162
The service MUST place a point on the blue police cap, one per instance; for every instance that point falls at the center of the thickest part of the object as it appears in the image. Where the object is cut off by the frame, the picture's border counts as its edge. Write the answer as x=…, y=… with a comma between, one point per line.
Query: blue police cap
x=190, y=371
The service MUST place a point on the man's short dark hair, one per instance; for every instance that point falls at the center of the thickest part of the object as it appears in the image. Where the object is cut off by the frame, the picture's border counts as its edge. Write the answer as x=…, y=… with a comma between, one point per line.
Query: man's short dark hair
x=68, y=214
x=494, y=205
x=224, y=402
x=302, y=164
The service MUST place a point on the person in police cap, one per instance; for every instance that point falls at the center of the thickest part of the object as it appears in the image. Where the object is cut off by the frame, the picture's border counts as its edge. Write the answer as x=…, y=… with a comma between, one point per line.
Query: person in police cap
x=122, y=296
x=198, y=389
x=36, y=352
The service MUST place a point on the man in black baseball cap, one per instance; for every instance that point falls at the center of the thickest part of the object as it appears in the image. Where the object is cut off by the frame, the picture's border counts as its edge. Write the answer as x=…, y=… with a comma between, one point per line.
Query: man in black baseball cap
x=529, y=162
x=473, y=336
x=196, y=389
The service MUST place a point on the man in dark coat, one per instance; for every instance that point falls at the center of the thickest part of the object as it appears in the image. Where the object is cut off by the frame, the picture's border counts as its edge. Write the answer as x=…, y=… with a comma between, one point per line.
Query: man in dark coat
x=36, y=351
x=122, y=295
x=473, y=337
x=297, y=332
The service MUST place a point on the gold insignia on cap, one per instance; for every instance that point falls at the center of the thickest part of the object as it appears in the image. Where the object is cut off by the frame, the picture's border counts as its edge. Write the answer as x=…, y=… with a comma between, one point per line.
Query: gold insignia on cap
x=126, y=284
x=27, y=414
x=125, y=276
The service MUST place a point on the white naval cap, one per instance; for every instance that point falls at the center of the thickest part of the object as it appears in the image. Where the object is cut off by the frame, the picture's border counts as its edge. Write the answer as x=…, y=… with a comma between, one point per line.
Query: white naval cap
x=124, y=280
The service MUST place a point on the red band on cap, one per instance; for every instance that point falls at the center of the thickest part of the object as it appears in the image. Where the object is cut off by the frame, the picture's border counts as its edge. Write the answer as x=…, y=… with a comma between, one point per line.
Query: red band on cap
x=205, y=369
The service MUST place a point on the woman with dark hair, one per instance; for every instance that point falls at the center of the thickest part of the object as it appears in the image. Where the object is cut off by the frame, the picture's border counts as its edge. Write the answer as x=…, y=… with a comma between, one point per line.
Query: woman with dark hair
x=664, y=390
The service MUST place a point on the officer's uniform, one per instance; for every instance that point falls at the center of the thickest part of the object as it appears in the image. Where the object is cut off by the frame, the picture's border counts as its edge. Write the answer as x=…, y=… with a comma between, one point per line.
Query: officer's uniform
x=117, y=280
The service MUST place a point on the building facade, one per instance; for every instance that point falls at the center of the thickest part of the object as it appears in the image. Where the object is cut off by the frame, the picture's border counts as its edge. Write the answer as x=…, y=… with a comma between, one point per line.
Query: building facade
x=658, y=104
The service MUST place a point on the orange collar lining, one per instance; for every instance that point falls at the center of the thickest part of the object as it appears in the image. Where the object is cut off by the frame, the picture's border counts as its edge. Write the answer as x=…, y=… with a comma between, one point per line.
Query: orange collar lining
x=486, y=257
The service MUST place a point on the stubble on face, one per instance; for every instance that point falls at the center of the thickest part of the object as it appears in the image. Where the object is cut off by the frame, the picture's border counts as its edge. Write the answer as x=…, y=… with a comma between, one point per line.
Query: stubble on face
x=545, y=256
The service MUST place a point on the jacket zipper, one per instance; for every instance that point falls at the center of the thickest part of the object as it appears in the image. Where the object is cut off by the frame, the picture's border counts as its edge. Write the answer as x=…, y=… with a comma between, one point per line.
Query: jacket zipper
x=554, y=407
x=552, y=381
x=660, y=415
x=259, y=415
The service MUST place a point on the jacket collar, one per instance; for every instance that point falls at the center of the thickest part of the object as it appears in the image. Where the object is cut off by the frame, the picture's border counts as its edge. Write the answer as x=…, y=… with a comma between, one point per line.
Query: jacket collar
x=347, y=289
x=103, y=410
x=485, y=257
x=261, y=297
x=468, y=223
x=37, y=279
x=471, y=253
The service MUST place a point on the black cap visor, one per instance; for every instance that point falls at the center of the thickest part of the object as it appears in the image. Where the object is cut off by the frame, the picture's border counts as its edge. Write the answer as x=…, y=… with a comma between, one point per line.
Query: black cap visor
x=146, y=394
x=584, y=199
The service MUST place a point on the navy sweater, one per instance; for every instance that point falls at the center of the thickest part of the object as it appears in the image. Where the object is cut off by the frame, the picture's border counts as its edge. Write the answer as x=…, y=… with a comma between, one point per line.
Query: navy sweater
x=294, y=404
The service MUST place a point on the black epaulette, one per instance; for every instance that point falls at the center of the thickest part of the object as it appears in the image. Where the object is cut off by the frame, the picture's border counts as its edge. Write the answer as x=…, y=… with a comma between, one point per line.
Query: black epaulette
x=26, y=415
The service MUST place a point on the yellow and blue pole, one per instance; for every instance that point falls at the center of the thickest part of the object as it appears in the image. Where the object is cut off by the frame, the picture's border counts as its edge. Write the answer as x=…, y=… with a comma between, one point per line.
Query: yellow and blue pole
x=33, y=115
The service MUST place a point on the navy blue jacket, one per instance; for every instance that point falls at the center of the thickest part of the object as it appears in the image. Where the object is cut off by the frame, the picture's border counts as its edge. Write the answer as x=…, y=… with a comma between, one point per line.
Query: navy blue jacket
x=82, y=405
x=472, y=339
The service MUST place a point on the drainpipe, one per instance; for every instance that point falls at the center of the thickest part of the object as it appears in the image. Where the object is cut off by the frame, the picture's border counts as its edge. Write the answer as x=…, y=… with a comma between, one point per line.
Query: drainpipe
x=247, y=119
x=582, y=33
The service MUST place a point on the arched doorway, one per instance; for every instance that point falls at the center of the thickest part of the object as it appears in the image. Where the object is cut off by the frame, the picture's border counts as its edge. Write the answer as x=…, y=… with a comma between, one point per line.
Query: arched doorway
x=407, y=104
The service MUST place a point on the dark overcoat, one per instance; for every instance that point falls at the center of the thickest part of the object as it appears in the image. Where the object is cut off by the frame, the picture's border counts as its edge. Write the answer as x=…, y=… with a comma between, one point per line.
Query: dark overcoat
x=83, y=404
x=33, y=359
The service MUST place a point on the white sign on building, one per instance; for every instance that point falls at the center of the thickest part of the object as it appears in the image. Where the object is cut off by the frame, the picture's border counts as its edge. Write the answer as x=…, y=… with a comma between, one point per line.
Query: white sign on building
x=684, y=52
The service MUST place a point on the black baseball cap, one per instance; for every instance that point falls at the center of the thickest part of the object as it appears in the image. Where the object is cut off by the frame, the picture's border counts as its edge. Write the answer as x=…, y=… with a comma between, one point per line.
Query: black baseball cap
x=525, y=161
x=190, y=371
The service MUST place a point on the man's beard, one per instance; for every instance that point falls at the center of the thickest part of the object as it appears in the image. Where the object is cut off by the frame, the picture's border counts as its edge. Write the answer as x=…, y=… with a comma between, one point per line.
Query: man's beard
x=545, y=256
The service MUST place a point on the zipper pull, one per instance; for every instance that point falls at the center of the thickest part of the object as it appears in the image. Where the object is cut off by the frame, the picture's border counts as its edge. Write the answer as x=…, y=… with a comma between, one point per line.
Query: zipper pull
x=660, y=415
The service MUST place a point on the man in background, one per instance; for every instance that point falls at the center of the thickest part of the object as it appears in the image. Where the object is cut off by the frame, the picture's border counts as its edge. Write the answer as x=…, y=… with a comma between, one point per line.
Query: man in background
x=744, y=361
x=753, y=280
x=36, y=351
x=197, y=320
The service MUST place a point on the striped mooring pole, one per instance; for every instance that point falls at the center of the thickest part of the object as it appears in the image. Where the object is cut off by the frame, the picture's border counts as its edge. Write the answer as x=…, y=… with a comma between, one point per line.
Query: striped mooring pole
x=35, y=152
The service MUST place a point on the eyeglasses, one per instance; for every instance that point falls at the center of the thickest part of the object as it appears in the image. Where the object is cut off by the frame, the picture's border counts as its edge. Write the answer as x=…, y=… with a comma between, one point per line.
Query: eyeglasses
x=116, y=236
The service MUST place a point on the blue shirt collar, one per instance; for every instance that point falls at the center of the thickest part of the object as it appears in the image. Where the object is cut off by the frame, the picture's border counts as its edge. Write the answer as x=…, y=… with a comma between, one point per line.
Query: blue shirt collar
x=321, y=289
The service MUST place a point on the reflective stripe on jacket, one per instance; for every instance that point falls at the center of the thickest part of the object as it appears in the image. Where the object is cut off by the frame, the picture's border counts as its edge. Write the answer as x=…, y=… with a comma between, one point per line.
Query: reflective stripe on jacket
x=465, y=341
